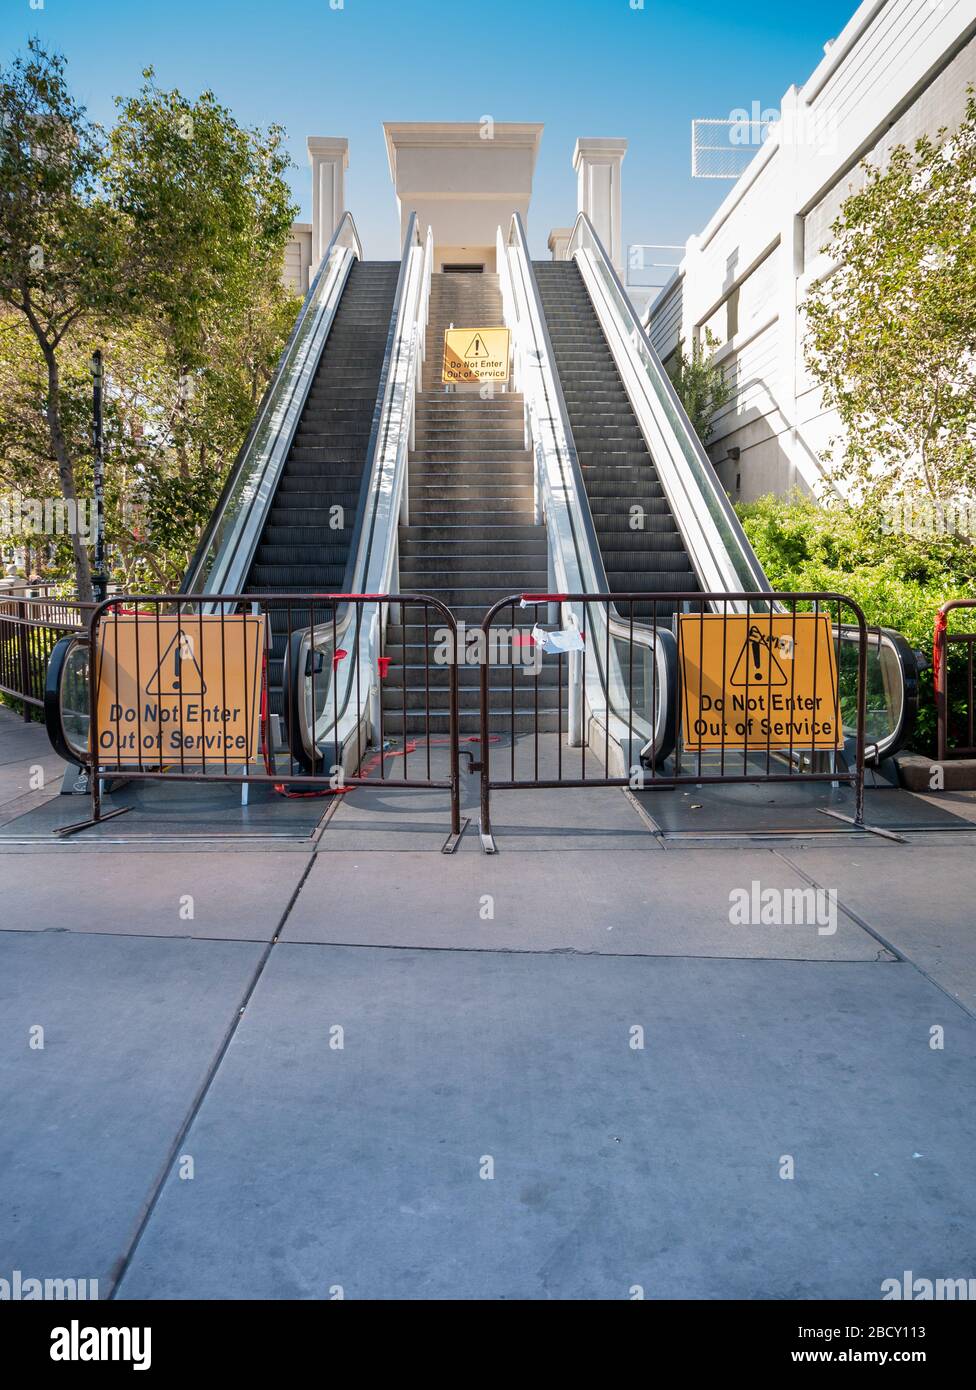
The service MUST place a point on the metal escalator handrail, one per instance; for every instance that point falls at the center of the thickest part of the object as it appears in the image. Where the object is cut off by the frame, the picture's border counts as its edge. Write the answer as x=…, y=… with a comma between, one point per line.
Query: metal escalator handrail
x=354, y=562
x=909, y=667
x=573, y=543
x=722, y=561
x=71, y=749
x=372, y=571
x=550, y=414
x=228, y=567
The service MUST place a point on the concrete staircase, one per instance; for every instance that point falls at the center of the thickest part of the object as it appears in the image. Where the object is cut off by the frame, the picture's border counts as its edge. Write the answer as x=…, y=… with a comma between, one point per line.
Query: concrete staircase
x=471, y=538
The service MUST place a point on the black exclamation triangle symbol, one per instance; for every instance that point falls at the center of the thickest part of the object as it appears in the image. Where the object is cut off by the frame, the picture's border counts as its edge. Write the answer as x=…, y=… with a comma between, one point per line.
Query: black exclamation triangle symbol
x=187, y=677
x=748, y=669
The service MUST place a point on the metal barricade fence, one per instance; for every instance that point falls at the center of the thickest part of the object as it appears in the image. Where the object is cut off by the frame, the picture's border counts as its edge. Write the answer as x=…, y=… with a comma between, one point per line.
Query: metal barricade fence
x=183, y=688
x=665, y=659
x=30, y=625
x=942, y=646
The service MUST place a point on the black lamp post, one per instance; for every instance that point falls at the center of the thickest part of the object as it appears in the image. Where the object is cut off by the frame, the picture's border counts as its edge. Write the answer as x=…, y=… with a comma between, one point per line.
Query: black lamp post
x=99, y=577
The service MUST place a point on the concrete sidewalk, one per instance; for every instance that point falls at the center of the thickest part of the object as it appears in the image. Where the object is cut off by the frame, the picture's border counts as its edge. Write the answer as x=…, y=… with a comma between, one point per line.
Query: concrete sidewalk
x=342, y=1060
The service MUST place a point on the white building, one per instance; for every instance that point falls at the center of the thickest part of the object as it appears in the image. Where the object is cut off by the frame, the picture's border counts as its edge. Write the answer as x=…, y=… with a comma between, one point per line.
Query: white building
x=899, y=69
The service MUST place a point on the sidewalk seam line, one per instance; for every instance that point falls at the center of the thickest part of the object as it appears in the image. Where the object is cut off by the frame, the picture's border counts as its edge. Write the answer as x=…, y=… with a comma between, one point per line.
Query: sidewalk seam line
x=888, y=945
x=202, y=1092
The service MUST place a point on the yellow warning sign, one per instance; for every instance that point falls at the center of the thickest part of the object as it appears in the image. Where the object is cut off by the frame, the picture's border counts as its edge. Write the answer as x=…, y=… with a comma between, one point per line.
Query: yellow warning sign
x=181, y=690
x=758, y=681
x=475, y=354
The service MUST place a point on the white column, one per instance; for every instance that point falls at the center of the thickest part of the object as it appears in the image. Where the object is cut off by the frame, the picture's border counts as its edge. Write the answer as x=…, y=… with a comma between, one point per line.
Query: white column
x=559, y=241
x=597, y=163
x=329, y=158
x=691, y=264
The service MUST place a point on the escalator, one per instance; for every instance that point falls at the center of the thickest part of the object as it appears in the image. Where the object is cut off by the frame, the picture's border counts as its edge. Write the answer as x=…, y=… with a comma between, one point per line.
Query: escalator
x=301, y=549
x=639, y=541
x=291, y=529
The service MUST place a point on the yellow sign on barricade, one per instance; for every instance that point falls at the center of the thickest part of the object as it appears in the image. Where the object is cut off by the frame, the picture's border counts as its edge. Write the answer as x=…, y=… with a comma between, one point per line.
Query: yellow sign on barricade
x=758, y=681
x=179, y=689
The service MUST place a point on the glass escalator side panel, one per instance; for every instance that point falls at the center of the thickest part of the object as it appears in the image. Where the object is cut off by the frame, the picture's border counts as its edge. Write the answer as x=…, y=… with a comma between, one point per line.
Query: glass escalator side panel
x=891, y=689
x=67, y=699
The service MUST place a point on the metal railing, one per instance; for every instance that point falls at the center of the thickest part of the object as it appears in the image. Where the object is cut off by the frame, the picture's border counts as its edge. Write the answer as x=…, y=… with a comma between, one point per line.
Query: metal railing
x=131, y=716
x=536, y=759
x=30, y=628
x=944, y=641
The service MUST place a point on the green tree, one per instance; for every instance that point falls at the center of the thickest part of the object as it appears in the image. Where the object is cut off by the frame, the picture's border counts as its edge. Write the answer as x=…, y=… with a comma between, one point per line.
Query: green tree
x=892, y=331
x=700, y=383
x=210, y=211
x=64, y=250
x=189, y=308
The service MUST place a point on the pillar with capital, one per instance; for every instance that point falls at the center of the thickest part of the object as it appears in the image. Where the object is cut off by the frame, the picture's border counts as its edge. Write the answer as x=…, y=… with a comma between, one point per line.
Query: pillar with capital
x=329, y=158
x=597, y=163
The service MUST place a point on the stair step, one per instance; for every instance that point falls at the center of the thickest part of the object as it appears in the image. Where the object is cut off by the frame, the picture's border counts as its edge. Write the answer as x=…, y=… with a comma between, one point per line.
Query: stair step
x=472, y=456
x=494, y=579
x=467, y=554
x=476, y=534
x=469, y=674
x=469, y=722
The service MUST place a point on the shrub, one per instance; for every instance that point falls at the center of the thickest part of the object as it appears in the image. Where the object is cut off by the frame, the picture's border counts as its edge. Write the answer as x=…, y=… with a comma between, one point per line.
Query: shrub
x=900, y=581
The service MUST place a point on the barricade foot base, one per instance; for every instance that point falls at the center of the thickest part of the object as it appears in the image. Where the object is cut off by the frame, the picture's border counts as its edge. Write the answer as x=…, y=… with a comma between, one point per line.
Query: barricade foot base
x=868, y=829
x=452, y=841
x=63, y=831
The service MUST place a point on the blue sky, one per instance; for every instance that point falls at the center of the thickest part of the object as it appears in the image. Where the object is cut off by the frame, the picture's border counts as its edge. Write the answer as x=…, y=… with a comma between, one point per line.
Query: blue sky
x=584, y=67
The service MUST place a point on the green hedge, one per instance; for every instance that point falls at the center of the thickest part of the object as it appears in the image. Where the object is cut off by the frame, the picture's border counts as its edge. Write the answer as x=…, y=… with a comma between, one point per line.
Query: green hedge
x=900, y=581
